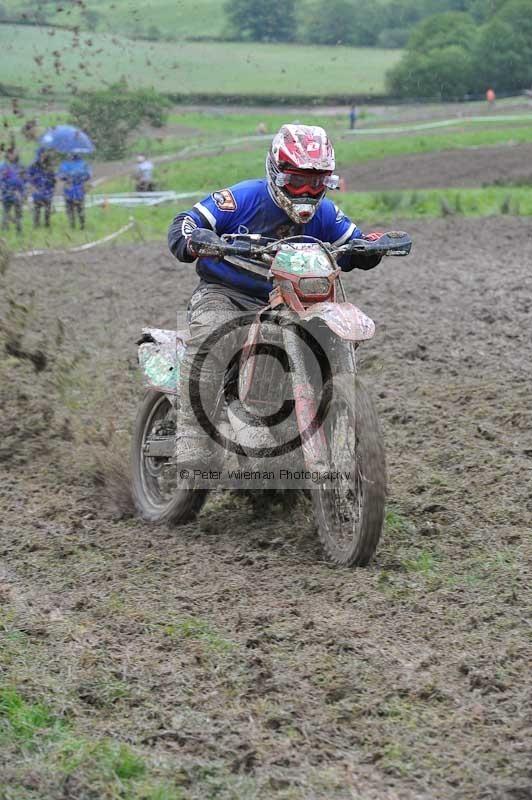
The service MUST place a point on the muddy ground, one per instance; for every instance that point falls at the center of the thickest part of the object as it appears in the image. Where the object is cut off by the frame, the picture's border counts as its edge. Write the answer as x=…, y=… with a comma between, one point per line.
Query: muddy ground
x=228, y=658
x=476, y=166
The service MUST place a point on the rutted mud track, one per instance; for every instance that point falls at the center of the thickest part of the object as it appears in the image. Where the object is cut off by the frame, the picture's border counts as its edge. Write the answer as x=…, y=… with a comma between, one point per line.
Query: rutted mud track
x=476, y=166
x=246, y=666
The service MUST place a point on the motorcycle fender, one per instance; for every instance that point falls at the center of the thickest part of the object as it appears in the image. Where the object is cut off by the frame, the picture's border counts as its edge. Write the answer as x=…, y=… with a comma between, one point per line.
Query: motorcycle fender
x=344, y=319
x=160, y=354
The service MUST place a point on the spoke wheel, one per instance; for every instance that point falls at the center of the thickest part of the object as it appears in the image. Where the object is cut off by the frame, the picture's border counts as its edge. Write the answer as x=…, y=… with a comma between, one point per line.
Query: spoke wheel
x=349, y=509
x=154, y=480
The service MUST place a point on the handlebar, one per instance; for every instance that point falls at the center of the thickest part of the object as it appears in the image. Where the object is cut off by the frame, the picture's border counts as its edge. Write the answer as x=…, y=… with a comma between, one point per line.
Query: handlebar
x=206, y=243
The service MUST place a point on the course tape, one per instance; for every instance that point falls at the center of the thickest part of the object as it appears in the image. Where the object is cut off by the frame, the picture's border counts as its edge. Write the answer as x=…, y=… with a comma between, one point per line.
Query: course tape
x=79, y=248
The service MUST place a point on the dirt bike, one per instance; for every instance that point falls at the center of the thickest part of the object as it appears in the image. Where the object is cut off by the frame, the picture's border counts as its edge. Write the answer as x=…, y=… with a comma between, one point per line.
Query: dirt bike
x=329, y=412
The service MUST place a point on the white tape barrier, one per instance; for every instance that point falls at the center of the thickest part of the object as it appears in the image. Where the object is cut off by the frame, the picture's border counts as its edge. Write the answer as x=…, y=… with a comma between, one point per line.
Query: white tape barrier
x=79, y=248
x=129, y=199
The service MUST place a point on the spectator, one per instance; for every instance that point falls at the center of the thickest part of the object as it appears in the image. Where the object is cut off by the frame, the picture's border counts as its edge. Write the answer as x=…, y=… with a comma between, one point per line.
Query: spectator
x=144, y=175
x=75, y=173
x=12, y=189
x=490, y=98
x=352, y=117
x=41, y=177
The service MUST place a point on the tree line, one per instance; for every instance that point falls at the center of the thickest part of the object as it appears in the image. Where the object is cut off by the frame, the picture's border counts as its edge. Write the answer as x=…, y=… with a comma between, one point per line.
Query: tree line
x=453, y=48
x=451, y=56
x=360, y=23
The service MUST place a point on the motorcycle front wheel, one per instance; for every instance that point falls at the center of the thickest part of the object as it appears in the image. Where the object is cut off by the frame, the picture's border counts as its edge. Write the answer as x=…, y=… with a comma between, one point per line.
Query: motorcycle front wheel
x=349, y=508
x=154, y=480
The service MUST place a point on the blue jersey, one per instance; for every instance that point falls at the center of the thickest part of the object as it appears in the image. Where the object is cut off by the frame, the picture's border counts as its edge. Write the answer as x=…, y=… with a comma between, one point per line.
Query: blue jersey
x=75, y=174
x=43, y=181
x=12, y=183
x=248, y=207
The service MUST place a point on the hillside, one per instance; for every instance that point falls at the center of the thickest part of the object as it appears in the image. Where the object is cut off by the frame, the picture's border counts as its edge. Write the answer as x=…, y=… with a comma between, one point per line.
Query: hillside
x=49, y=60
x=174, y=18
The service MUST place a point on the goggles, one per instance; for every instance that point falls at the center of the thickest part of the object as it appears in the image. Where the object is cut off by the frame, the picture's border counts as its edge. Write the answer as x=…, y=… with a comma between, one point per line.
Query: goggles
x=301, y=183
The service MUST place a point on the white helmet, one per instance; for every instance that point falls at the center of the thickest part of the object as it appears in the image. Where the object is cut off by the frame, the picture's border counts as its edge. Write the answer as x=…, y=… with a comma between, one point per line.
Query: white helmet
x=299, y=167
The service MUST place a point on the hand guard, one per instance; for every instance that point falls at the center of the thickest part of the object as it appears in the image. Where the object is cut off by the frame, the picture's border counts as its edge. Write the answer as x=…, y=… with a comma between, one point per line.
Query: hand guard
x=372, y=237
x=202, y=241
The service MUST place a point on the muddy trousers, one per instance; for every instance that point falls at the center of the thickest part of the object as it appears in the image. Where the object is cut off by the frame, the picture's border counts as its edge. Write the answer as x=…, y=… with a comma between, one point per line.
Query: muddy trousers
x=12, y=208
x=218, y=321
x=46, y=207
x=73, y=208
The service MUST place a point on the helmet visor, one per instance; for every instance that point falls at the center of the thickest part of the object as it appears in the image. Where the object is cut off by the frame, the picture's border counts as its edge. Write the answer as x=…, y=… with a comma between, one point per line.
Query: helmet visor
x=306, y=183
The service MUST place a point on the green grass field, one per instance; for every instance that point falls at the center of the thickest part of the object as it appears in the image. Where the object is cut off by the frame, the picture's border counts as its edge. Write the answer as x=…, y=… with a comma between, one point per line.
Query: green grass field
x=216, y=68
x=174, y=18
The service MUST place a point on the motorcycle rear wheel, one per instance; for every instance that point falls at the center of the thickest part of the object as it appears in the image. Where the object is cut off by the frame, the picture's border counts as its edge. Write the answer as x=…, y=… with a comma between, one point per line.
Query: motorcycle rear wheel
x=153, y=480
x=350, y=512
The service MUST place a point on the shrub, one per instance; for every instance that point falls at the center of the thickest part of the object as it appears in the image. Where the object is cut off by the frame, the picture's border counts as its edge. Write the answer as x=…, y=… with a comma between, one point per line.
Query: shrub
x=445, y=73
x=110, y=115
x=442, y=30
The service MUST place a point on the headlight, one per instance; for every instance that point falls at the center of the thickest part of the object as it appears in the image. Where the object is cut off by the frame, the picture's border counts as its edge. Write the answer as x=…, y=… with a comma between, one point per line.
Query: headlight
x=314, y=286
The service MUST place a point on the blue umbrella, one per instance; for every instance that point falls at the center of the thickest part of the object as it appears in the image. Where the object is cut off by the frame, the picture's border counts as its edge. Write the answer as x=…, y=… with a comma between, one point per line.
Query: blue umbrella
x=66, y=139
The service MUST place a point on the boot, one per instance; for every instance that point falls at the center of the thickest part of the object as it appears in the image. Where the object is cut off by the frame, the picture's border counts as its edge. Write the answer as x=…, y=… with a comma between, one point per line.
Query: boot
x=194, y=448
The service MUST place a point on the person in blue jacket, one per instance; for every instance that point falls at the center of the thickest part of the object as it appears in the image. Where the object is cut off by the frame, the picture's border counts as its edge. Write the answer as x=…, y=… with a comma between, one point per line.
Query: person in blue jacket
x=290, y=200
x=74, y=172
x=12, y=189
x=41, y=176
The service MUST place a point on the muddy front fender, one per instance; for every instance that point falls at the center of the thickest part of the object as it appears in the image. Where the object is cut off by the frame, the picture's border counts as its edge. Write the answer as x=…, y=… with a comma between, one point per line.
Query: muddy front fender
x=344, y=319
x=160, y=354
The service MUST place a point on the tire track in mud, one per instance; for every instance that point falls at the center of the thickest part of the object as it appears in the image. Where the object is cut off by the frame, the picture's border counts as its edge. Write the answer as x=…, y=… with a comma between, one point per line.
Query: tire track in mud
x=470, y=167
x=238, y=656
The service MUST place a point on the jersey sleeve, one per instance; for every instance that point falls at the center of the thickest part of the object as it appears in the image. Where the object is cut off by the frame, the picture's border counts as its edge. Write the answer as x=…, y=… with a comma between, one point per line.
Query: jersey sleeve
x=337, y=228
x=219, y=210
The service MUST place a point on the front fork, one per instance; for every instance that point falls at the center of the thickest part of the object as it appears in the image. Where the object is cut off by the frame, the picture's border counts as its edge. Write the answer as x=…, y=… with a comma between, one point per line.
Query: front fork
x=308, y=414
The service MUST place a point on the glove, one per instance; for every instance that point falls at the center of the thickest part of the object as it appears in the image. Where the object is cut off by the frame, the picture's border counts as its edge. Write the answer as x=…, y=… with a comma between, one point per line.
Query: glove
x=372, y=237
x=201, y=238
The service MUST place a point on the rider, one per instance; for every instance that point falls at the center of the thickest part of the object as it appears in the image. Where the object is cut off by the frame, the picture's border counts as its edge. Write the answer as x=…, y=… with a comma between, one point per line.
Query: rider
x=289, y=201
